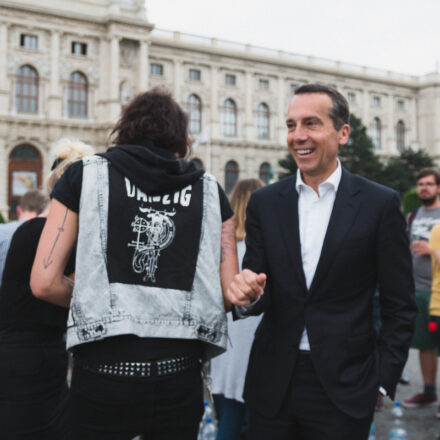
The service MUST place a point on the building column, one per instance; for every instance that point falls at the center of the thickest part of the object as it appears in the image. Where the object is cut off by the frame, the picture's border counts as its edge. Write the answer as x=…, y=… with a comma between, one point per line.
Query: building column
x=4, y=163
x=143, y=71
x=4, y=89
x=177, y=79
x=391, y=147
x=55, y=97
x=214, y=120
x=248, y=108
x=280, y=126
x=114, y=106
x=414, y=141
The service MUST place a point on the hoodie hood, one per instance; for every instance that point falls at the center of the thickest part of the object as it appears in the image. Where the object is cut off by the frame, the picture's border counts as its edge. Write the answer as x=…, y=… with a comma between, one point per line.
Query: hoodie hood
x=152, y=169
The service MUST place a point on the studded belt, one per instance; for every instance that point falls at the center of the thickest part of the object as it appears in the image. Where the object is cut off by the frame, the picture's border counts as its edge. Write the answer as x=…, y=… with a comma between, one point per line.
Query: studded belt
x=163, y=367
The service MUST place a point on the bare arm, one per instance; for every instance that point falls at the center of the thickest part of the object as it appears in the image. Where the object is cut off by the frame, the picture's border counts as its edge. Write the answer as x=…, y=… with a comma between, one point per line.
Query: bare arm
x=436, y=254
x=57, y=240
x=229, y=260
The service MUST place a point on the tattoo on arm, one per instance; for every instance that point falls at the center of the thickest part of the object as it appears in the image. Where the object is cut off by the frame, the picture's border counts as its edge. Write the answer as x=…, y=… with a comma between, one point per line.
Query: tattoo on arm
x=48, y=261
x=228, y=246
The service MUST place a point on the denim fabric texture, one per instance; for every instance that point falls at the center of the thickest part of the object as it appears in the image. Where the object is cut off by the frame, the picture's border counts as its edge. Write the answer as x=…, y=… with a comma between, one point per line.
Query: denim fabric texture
x=100, y=309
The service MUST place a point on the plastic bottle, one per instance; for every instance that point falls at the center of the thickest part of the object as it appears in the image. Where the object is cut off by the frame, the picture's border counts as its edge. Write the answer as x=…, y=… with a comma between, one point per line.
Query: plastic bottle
x=372, y=435
x=207, y=414
x=398, y=432
x=209, y=431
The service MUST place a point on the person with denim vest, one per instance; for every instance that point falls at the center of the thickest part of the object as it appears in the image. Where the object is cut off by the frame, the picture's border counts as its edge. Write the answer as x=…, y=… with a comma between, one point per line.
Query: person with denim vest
x=155, y=249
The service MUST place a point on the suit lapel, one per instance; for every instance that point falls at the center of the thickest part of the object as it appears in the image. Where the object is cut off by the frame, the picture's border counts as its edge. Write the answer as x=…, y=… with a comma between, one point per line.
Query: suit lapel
x=289, y=225
x=343, y=215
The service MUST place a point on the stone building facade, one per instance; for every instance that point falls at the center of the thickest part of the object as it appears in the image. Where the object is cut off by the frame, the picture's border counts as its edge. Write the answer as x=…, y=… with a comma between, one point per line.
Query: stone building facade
x=68, y=66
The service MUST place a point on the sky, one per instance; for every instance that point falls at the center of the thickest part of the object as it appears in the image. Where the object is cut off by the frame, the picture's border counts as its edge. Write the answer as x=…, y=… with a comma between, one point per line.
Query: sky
x=398, y=35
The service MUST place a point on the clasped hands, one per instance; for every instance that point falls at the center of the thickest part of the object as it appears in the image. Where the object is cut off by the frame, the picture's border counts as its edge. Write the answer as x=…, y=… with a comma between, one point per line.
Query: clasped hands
x=246, y=287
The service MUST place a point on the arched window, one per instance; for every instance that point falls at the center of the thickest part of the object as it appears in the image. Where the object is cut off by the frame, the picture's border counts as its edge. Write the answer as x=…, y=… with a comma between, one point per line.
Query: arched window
x=194, y=109
x=376, y=132
x=231, y=175
x=26, y=94
x=229, y=112
x=266, y=173
x=77, y=90
x=198, y=163
x=263, y=121
x=25, y=173
x=400, y=136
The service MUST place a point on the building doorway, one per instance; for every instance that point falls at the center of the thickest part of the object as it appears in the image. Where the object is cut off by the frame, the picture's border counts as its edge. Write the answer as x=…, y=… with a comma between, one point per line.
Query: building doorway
x=25, y=173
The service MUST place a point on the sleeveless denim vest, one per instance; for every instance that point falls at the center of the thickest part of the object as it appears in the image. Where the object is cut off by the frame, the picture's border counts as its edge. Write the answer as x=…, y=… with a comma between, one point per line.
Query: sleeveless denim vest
x=100, y=309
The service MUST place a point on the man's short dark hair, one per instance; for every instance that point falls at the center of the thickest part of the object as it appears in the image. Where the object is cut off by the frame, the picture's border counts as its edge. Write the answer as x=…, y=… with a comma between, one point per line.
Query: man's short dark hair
x=424, y=172
x=34, y=201
x=339, y=112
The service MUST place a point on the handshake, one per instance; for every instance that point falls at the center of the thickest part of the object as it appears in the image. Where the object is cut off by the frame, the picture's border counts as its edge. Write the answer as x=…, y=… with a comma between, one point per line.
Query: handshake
x=246, y=287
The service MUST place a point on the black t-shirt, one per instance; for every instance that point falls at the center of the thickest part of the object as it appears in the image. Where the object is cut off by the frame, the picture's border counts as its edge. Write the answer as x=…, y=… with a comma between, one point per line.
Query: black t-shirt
x=68, y=191
x=19, y=309
x=132, y=241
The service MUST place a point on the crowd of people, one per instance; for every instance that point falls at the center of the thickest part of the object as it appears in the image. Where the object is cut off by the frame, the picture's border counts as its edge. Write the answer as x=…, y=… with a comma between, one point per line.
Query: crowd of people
x=146, y=273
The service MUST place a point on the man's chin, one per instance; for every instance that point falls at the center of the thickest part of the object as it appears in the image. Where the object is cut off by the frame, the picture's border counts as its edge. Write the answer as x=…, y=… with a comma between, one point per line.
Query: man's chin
x=429, y=201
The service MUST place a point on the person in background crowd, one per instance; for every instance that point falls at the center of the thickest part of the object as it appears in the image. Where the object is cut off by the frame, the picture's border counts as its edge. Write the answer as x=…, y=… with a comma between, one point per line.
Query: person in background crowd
x=155, y=248
x=228, y=370
x=31, y=204
x=434, y=304
x=420, y=224
x=34, y=400
x=317, y=245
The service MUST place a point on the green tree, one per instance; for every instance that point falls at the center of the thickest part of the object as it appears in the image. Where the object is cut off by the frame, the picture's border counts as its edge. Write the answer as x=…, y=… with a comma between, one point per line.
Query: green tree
x=400, y=171
x=288, y=165
x=358, y=154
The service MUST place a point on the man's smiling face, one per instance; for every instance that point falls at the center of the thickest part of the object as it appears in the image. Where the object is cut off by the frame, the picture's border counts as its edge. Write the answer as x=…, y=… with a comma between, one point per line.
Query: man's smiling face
x=312, y=138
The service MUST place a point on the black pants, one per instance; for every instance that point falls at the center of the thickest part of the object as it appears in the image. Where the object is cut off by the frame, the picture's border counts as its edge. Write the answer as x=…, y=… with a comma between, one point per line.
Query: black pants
x=307, y=413
x=120, y=408
x=34, y=401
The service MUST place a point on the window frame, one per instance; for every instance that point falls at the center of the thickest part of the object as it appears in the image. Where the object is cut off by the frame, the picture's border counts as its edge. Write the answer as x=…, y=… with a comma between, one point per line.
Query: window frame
x=231, y=175
x=159, y=67
x=194, y=74
x=27, y=102
x=76, y=87
x=230, y=79
x=83, y=48
x=263, y=121
x=229, y=118
x=194, y=109
x=24, y=38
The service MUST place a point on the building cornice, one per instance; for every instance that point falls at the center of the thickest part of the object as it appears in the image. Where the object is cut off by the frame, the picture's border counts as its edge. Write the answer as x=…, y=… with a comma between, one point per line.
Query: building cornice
x=72, y=15
x=280, y=59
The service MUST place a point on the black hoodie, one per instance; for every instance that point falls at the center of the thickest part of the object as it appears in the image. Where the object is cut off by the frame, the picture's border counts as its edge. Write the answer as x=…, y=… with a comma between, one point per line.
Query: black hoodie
x=155, y=206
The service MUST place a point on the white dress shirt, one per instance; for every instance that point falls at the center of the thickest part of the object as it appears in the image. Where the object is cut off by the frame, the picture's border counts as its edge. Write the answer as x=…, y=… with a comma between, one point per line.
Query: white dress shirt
x=314, y=212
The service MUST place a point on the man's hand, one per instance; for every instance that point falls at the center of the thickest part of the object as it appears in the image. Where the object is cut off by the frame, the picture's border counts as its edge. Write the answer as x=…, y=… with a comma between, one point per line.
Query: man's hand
x=246, y=287
x=419, y=247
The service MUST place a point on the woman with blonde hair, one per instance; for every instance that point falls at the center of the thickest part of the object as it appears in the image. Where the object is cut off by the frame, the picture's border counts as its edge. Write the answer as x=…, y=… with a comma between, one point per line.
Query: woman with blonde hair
x=34, y=400
x=228, y=370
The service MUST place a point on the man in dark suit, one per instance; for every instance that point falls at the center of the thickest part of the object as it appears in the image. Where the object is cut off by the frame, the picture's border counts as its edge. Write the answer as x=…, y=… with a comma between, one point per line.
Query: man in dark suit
x=318, y=243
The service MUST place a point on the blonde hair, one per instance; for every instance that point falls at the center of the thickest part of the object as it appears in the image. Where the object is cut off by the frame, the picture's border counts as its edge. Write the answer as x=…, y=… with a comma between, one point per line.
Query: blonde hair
x=239, y=199
x=66, y=151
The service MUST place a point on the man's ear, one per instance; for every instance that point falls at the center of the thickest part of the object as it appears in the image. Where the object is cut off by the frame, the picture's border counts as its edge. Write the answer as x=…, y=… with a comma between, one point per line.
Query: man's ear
x=19, y=211
x=344, y=134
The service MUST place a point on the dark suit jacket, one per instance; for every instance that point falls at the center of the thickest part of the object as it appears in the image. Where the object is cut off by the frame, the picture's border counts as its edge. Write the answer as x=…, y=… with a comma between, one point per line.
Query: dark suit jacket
x=365, y=245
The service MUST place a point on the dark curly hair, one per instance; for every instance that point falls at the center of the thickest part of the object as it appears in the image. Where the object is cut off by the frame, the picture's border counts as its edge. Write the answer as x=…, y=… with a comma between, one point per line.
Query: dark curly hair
x=156, y=116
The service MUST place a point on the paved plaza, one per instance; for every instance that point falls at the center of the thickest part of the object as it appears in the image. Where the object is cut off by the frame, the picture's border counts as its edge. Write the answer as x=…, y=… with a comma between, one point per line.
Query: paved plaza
x=421, y=424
